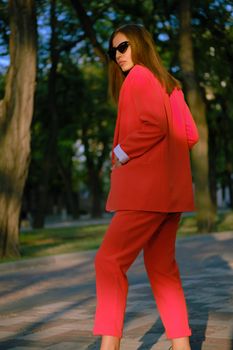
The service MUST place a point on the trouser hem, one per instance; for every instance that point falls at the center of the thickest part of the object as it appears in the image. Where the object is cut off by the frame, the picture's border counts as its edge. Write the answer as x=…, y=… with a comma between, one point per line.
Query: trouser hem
x=104, y=332
x=188, y=333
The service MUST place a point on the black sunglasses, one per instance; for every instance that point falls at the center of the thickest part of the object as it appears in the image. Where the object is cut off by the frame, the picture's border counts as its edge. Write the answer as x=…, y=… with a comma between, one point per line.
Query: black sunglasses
x=122, y=47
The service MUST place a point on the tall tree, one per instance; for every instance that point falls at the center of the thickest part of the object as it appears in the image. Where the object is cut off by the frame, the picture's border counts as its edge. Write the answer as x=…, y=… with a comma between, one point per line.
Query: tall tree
x=54, y=115
x=205, y=207
x=94, y=168
x=15, y=121
x=96, y=133
x=51, y=154
x=87, y=26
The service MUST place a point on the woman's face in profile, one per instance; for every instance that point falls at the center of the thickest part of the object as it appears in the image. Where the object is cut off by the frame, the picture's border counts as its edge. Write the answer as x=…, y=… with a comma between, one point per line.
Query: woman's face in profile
x=123, y=59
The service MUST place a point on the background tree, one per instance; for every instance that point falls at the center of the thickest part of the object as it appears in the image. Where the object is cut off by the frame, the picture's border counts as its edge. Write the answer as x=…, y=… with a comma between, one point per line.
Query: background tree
x=96, y=20
x=53, y=48
x=79, y=100
x=74, y=120
x=50, y=156
x=15, y=120
x=96, y=133
x=205, y=208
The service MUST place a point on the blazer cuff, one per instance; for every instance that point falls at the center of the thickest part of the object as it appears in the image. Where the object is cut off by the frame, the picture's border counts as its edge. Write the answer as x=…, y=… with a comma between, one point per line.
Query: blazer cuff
x=121, y=155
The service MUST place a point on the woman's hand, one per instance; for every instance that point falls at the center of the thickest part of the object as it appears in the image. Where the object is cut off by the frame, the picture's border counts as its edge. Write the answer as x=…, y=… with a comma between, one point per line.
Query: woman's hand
x=117, y=163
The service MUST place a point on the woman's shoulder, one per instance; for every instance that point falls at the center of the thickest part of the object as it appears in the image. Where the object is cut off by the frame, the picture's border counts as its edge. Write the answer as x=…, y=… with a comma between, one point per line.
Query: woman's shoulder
x=142, y=76
x=177, y=95
x=139, y=71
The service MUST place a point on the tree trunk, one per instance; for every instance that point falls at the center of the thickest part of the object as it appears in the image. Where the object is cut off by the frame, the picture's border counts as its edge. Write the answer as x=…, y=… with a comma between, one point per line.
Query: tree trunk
x=96, y=192
x=227, y=144
x=87, y=26
x=49, y=160
x=93, y=174
x=212, y=164
x=94, y=171
x=205, y=208
x=15, y=121
x=72, y=198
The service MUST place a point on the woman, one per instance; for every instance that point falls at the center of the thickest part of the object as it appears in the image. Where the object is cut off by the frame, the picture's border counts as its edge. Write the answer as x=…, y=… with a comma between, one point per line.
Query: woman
x=151, y=185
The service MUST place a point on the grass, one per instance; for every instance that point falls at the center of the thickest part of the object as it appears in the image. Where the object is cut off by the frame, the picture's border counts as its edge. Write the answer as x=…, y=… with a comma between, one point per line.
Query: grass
x=44, y=242
x=188, y=225
x=61, y=240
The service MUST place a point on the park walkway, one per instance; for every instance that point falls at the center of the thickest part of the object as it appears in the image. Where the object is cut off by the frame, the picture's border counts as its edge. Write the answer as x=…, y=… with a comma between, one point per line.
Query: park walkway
x=49, y=303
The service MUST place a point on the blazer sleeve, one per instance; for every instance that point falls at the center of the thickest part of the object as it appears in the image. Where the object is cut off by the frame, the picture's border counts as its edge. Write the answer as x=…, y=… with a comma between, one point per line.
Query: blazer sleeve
x=147, y=95
x=190, y=127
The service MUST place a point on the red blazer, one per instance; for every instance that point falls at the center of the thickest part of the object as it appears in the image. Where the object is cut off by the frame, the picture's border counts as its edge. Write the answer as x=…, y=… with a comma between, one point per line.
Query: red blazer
x=156, y=131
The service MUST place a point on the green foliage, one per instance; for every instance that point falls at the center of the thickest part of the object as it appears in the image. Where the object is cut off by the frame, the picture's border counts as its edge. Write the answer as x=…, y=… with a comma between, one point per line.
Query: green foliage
x=52, y=241
x=59, y=241
x=81, y=87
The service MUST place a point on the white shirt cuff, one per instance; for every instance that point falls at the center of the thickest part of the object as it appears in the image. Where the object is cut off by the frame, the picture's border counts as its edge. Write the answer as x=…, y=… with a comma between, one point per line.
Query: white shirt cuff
x=121, y=155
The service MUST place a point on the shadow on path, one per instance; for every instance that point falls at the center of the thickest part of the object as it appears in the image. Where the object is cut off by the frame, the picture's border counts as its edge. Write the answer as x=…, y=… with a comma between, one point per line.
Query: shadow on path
x=205, y=270
x=203, y=286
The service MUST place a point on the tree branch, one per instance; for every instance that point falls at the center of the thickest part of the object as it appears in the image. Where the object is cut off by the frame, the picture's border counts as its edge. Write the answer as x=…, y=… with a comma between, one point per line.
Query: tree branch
x=87, y=26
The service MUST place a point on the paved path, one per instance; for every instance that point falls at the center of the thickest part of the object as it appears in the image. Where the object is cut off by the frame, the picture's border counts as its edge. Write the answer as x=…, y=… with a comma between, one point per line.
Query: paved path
x=49, y=303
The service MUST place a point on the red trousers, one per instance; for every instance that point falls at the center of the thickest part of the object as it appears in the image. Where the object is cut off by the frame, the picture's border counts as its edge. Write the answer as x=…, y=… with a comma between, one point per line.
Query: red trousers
x=128, y=233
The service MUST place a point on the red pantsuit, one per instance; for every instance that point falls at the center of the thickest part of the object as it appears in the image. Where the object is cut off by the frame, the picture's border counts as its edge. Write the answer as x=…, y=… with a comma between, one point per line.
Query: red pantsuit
x=128, y=233
x=153, y=135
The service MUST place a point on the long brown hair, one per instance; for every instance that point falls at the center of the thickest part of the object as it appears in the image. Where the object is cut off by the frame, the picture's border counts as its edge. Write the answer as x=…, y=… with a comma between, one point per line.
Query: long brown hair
x=143, y=52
